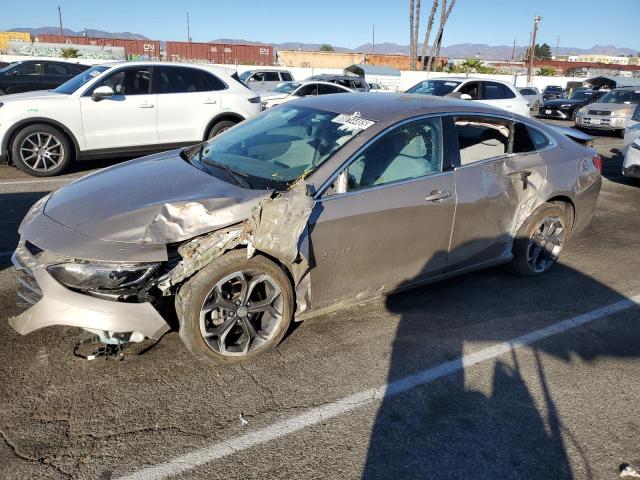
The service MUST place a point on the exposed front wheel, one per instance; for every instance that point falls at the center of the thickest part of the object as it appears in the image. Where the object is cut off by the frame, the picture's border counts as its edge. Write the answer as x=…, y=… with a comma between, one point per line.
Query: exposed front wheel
x=540, y=240
x=41, y=151
x=235, y=309
x=219, y=128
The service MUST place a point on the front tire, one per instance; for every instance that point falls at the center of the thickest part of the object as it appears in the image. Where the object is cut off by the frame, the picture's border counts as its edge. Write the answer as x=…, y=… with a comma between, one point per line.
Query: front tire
x=235, y=309
x=41, y=151
x=219, y=128
x=540, y=240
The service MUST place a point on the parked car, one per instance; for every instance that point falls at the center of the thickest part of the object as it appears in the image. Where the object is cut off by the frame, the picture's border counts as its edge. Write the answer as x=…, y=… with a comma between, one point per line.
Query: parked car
x=378, y=87
x=4, y=64
x=265, y=80
x=612, y=112
x=552, y=91
x=120, y=109
x=631, y=149
x=492, y=92
x=31, y=75
x=352, y=82
x=533, y=96
x=287, y=92
x=567, y=108
x=323, y=201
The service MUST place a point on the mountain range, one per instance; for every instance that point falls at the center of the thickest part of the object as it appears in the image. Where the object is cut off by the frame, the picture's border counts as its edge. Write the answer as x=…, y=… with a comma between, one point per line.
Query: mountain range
x=459, y=50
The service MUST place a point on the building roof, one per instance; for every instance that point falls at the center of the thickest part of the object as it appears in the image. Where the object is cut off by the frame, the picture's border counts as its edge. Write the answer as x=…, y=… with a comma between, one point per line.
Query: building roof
x=364, y=69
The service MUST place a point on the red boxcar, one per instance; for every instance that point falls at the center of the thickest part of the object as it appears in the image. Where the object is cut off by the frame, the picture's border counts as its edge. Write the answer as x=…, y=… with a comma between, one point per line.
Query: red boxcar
x=134, y=49
x=221, y=53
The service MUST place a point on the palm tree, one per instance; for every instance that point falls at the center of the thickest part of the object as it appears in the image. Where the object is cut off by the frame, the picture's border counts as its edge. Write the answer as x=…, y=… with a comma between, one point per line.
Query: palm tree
x=435, y=48
x=427, y=33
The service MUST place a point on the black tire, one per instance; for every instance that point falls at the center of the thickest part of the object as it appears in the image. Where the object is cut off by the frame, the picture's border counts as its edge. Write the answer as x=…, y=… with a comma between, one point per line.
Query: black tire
x=573, y=115
x=192, y=296
x=56, y=165
x=528, y=239
x=2, y=92
x=220, y=127
x=621, y=133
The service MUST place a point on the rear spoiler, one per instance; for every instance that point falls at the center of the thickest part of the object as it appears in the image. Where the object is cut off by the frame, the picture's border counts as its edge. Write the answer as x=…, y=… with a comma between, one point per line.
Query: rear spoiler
x=574, y=134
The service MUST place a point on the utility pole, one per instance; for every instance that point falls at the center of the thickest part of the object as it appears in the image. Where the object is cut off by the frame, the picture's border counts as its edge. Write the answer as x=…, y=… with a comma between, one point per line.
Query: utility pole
x=557, y=45
x=513, y=50
x=532, y=47
x=373, y=39
x=60, y=18
x=188, y=29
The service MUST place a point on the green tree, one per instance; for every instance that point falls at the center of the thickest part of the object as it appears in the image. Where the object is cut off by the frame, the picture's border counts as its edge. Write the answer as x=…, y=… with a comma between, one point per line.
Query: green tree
x=543, y=52
x=547, y=72
x=326, y=47
x=70, y=52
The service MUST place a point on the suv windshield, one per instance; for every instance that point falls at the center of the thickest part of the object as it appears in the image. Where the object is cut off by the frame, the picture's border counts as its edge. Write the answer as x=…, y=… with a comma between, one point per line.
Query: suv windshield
x=439, y=88
x=244, y=75
x=581, y=95
x=622, y=96
x=278, y=147
x=8, y=67
x=553, y=88
x=79, y=80
x=286, y=87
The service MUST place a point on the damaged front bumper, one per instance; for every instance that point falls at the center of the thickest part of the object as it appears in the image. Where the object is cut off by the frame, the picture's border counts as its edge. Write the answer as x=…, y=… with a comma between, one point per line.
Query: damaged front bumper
x=49, y=303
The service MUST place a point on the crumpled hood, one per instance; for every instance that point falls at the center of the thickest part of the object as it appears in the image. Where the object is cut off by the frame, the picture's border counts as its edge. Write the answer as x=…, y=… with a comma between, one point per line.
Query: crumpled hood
x=31, y=96
x=158, y=199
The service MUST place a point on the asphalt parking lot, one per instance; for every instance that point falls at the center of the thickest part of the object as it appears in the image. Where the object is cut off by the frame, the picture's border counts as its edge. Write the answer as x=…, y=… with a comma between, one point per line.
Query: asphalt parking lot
x=481, y=376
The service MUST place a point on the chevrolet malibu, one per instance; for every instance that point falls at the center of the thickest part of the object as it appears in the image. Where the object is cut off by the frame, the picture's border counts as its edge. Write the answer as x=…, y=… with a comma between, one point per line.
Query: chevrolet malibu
x=307, y=207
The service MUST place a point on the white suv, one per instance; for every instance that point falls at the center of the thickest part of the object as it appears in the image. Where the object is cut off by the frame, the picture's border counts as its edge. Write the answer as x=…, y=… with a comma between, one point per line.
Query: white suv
x=121, y=109
x=492, y=92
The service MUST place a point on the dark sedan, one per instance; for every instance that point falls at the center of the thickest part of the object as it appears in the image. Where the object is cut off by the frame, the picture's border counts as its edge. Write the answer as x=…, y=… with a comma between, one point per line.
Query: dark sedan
x=552, y=91
x=30, y=75
x=566, y=108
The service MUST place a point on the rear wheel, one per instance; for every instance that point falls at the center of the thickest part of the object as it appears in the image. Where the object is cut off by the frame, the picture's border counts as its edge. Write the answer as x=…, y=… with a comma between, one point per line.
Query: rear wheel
x=41, y=151
x=540, y=240
x=235, y=309
x=220, y=127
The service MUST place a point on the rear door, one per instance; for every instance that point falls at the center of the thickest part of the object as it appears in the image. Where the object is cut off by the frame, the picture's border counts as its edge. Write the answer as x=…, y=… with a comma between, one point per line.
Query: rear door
x=188, y=99
x=493, y=187
x=388, y=222
x=55, y=74
x=128, y=119
x=498, y=95
x=271, y=80
x=26, y=77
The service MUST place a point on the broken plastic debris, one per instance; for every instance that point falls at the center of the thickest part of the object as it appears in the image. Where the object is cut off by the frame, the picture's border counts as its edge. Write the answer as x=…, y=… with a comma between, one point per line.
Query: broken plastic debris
x=243, y=422
x=627, y=472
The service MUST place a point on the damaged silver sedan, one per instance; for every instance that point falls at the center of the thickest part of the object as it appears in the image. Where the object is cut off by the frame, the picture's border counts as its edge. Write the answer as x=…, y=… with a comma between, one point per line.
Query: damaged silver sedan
x=309, y=206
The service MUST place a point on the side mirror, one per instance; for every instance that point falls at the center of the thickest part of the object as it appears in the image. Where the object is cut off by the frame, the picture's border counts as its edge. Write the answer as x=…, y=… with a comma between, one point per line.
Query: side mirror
x=15, y=72
x=101, y=93
x=465, y=96
x=252, y=79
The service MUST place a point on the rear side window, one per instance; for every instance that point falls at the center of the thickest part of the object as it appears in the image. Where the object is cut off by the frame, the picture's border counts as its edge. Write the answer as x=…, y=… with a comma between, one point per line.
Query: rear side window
x=496, y=91
x=522, y=141
x=326, y=89
x=56, y=69
x=311, y=89
x=271, y=77
x=539, y=139
x=527, y=91
x=481, y=138
x=286, y=76
x=29, y=69
x=211, y=82
x=179, y=80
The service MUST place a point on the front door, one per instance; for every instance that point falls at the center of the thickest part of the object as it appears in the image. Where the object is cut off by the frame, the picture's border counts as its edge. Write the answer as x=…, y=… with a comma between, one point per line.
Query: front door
x=26, y=77
x=389, y=225
x=128, y=119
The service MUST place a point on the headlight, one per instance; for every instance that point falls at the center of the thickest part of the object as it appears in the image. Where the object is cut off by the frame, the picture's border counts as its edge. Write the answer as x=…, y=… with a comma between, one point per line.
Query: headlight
x=566, y=105
x=90, y=276
x=624, y=112
x=584, y=109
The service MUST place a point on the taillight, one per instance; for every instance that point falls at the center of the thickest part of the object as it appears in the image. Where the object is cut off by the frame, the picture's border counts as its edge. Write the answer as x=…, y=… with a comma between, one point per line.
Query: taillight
x=597, y=162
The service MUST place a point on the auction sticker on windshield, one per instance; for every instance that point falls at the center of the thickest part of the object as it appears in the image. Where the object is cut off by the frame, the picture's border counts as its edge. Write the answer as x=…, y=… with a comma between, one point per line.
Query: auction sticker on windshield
x=353, y=120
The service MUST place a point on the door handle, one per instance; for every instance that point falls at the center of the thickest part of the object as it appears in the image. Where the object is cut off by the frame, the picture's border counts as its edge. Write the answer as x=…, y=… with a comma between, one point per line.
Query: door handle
x=146, y=105
x=437, y=196
x=210, y=102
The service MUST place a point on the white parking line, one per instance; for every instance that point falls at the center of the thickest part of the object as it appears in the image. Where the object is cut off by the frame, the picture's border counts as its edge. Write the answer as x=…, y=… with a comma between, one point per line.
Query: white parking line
x=317, y=415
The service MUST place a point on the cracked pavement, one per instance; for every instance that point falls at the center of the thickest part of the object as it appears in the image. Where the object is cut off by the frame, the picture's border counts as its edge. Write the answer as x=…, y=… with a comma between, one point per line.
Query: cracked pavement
x=563, y=408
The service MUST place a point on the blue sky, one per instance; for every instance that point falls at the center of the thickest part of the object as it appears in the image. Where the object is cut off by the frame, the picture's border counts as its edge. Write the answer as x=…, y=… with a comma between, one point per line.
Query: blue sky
x=580, y=23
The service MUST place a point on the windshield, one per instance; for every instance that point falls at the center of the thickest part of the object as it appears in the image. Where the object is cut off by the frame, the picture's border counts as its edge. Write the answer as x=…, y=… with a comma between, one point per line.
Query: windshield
x=286, y=87
x=244, y=75
x=439, y=88
x=8, y=67
x=79, y=80
x=553, y=88
x=622, y=96
x=275, y=149
x=581, y=95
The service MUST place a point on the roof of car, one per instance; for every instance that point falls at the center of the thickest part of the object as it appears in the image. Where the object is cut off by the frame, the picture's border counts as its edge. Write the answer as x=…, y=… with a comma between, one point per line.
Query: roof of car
x=337, y=76
x=392, y=107
x=201, y=66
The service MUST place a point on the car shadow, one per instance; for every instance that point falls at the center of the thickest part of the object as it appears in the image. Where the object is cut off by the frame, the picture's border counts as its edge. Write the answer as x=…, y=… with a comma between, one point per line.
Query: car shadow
x=466, y=426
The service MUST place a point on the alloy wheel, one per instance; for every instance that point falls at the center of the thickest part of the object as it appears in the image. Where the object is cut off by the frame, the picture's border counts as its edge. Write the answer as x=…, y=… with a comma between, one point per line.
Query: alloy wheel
x=545, y=244
x=241, y=313
x=42, y=151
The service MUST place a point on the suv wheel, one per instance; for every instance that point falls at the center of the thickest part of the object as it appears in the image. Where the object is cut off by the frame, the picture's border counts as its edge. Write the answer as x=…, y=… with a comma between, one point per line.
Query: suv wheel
x=540, y=240
x=235, y=309
x=41, y=151
x=219, y=128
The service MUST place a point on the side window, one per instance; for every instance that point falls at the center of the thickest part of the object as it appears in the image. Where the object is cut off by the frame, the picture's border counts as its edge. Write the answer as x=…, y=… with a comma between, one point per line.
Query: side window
x=481, y=138
x=527, y=91
x=271, y=77
x=29, y=69
x=410, y=151
x=179, y=80
x=344, y=83
x=129, y=81
x=311, y=89
x=539, y=139
x=286, y=77
x=258, y=77
x=56, y=69
x=212, y=82
x=326, y=89
x=472, y=89
x=522, y=141
x=496, y=91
